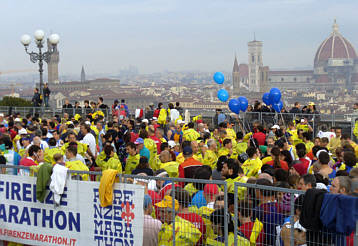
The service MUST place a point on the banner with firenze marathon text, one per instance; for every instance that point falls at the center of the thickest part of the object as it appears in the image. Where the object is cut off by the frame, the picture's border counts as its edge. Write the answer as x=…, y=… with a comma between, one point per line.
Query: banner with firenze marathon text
x=79, y=220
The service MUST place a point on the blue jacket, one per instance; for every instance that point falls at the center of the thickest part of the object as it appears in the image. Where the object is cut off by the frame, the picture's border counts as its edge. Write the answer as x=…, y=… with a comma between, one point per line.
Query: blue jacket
x=339, y=213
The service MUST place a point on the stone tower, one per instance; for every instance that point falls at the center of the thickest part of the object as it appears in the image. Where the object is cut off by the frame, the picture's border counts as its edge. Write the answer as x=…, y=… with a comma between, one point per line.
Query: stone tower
x=236, y=77
x=83, y=75
x=52, y=64
x=255, y=62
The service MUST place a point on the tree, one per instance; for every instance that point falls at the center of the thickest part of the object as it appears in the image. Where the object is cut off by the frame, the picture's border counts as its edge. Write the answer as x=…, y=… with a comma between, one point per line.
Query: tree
x=15, y=102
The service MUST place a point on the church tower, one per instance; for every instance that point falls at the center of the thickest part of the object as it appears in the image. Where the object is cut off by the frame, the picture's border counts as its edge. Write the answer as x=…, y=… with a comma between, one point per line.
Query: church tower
x=52, y=64
x=83, y=75
x=236, y=77
x=255, y=62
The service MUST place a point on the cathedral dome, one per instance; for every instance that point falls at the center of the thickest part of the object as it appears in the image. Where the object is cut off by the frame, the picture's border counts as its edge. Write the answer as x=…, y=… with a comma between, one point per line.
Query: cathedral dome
x=335, y=47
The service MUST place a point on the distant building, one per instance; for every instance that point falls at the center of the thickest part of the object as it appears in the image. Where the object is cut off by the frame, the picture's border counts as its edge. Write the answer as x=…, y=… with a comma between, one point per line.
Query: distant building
x=83, y=75
x=52, y=64
x=236, y=77
x=335, y=68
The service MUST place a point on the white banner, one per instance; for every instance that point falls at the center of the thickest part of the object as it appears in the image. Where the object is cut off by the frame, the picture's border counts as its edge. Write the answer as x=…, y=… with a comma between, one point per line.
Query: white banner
x=79, y=220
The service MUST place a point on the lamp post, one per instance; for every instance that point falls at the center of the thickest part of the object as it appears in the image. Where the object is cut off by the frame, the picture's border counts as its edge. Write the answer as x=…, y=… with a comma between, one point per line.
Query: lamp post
x=40, y=56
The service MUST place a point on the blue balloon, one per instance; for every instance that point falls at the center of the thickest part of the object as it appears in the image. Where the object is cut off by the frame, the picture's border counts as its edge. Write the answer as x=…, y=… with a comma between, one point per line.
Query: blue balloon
x=275, y=96
x=234, y=106
x=219, y=78
x=278, y=106
x=223, y=95
x=266, y=98
x=244, y=103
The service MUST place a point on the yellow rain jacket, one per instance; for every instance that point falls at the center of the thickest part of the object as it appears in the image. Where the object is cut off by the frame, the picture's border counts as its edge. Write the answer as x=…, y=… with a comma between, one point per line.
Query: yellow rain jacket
x=190, y=135
x=252, y=167
x=78, y=165
x=241, y=147
x=171, y=168
x=241, y=190
x=210, y=159
x=152, y=147
x=186, y=234
x=81, y=148
x=162, y=118
x=131, y=163
x=49, y=153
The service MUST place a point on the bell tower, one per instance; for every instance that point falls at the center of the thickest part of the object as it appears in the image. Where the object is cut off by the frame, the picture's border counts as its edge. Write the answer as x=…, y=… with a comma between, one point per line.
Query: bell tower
x=52, y=64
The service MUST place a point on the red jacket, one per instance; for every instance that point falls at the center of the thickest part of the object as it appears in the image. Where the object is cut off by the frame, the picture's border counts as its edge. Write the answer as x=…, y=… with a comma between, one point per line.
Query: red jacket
x=27, y=162
x=187, y=168
x=260, y=137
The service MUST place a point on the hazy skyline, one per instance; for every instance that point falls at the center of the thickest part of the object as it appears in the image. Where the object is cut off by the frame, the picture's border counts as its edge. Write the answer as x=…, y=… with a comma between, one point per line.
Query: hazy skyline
x=155, y=35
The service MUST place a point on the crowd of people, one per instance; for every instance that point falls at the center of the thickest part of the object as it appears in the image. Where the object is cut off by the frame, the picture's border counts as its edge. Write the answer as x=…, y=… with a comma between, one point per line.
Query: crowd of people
x=162, y=144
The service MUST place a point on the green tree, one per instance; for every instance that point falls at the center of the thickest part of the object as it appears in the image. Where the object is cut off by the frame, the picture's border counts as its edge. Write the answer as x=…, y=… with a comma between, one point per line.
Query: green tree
x=15, y=102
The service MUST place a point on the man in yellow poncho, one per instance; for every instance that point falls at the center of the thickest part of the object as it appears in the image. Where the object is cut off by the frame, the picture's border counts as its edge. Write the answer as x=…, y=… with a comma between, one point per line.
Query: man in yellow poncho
x=109, y=159
x=51, y=151
x=81, y=148
x=190, y=134
x=171, y=167
x=227, y=149
x=234, y=173
x=186, y=234
x=132, y=159
x=253, y=164
x=75, y=164
x=210, y=156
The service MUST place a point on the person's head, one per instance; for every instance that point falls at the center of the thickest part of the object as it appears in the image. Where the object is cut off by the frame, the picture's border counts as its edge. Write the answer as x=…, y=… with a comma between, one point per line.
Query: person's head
x=187, y=152
x=252, y=152
x=338, y=132
x=270, y=141
x=231, y=168
x=262, y=194
x=100, y=100
x=159, y=133
x=58, y=158
x=35, y=152
x=301, y=153
x=349, y=158
x=217, y=219
x=52, y=142
x=212, y=145
x=71, y=151
x=85, y=129
x=323, y=158
x=281, y=175
x=203, y=172
x=139, y=143
x=297, y=105
x=166, y=209
x=355, y=106
x=143, y=163
x=71, y=137
x=227, y=143
x=36, y=90
x=353, y=173
x=99, y=125
x=131, y=149
x=341, y=185
x=36, y=141
x=275, y=153
x=164, y=156
x=183, y=197
x=194, y=146
x=324, y=142
x=306, y=182
x=245, y=211
x=210, y=192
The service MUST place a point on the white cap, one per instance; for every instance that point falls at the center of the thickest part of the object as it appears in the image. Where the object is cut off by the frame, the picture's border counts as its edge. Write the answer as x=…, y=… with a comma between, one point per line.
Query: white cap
x=321, y=186
x=17, y=120
x=171, y=144
x=1, y=115
x=88, y=123
x=154, y=118
x=275, y=127
x=22, y=131
x=145, y=121
x=181, y=122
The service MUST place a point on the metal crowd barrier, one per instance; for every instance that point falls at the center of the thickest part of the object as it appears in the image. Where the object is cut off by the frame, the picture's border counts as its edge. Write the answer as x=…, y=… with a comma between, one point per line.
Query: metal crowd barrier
x=271, y=205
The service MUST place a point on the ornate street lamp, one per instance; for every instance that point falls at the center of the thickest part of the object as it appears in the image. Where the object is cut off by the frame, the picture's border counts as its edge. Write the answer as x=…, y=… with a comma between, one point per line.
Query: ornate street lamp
x=40, y=56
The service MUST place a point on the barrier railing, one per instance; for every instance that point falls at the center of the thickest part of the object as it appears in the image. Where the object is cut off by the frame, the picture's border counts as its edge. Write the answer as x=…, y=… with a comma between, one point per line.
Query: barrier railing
x=253, y=215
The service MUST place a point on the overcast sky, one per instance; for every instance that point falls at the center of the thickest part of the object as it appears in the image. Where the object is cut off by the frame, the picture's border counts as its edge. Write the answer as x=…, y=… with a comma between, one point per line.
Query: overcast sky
x=154, y=35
